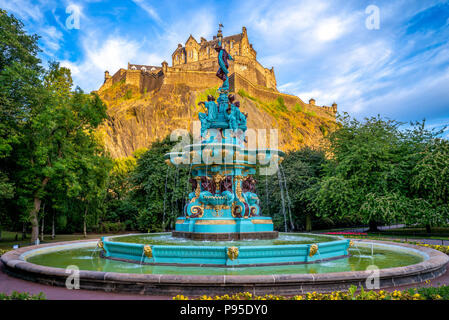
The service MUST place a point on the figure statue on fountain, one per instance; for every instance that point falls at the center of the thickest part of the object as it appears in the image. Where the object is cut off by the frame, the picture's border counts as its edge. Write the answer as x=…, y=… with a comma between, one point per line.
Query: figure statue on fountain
x=237, y=120
x=225, y=113
x=223, y=57
x=210, y=115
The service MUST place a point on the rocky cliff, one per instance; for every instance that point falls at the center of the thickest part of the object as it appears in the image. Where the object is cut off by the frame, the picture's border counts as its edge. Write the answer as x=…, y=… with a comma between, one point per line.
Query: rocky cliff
x=136, y=119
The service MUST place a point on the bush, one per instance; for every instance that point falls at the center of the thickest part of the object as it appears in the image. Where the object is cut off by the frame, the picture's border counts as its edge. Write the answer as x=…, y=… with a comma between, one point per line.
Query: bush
x=3, y=251
x=310, y=113
x=128, y=94
x=298, y=108
x=431, y=293
x=22, y=296
x=280, y=104
x=111, y=227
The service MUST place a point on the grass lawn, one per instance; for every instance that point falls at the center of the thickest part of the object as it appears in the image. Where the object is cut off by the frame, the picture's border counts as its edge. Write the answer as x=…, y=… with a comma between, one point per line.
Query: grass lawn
x=8, y=238
x=438, y=233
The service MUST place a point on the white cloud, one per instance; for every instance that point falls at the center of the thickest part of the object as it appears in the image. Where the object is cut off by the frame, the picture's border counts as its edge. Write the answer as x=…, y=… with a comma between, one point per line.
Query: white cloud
x=148, y=9
x=51, y=38
x=23, y=9
x=112, y=54
x=330, y=29
x=113, y=49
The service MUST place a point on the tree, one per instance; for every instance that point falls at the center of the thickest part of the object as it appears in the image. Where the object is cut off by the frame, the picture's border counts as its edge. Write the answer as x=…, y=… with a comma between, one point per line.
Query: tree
x=20, y=89
x=118, y=205
x=430, y=185
x=365, y=179
x=59, y=141
x=299, y=173
x=157, y=190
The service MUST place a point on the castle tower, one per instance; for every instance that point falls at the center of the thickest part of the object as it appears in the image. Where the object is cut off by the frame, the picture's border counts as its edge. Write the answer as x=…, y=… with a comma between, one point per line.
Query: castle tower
x=334, y=107
x=106, y=75
x=164, y=67
x=192, y=48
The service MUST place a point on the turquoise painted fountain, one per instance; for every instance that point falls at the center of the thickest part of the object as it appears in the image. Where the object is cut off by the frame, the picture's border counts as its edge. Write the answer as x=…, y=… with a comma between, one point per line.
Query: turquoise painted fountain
x=223, y=204
x=221, y=244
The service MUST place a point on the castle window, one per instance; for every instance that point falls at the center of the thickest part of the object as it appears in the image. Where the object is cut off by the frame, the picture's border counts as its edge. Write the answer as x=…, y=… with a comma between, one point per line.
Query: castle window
x=143, y=69
x=133, y=68
x=232, y=45
x=208, y=50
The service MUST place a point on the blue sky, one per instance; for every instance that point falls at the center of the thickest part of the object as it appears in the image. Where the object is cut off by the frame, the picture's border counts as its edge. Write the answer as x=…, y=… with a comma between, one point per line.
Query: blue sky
x=320, y=49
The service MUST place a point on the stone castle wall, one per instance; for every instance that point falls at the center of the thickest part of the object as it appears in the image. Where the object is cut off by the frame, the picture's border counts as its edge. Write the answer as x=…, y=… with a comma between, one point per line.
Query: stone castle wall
x=249, y=68
x=237, y=82
x=192, y=78
x=119, y=76
x=144, y=81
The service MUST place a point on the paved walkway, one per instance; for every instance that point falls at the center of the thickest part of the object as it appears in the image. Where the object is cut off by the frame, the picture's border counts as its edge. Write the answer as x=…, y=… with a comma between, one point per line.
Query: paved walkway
x=425, y=241
x=9, y=284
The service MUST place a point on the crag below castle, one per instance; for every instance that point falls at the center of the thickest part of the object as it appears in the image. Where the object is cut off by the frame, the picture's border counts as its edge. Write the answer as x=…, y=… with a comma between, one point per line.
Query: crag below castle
x=146, y=103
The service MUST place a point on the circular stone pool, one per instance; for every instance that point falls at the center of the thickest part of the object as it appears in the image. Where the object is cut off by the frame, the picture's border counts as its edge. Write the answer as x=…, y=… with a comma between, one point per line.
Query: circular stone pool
x=87, y=257
x=398, y=264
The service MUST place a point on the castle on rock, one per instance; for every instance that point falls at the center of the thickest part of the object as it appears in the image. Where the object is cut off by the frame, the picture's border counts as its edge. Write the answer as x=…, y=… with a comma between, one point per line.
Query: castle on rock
x=195, y=63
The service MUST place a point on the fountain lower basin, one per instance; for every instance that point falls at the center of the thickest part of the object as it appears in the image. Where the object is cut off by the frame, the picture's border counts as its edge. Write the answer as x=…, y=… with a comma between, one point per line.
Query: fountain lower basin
x=229, y=253
x=398, y=264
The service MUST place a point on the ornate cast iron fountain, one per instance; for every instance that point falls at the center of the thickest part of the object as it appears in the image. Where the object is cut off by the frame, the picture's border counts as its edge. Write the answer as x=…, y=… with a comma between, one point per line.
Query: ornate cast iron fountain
x=223, y=204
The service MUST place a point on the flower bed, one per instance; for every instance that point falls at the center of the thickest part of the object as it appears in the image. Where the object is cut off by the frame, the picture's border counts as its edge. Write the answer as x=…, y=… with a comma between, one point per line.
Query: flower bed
x=444, y=249
x=428, y=293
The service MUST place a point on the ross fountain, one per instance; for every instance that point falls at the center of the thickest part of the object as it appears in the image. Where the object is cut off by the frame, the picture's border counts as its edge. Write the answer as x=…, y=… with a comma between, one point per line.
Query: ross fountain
x=223, y=204
x=222, y=243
